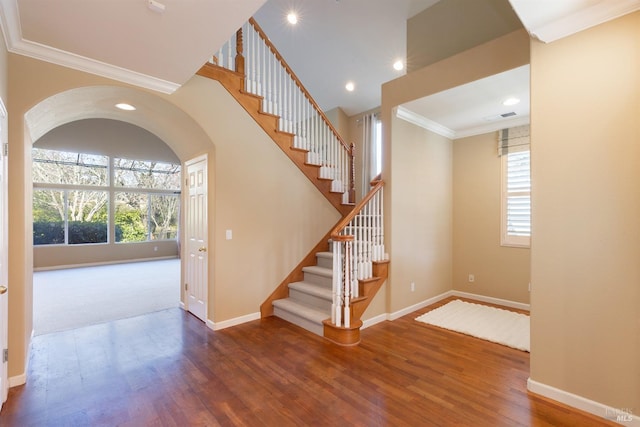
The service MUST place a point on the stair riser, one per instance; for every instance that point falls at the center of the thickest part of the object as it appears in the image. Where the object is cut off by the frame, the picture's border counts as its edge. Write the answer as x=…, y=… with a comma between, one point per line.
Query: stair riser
x=324, y=262
x=318, y=280
x=311, y=300
x=315, y=328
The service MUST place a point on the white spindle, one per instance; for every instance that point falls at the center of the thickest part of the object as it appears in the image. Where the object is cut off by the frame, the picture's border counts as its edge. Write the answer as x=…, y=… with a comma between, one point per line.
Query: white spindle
x=347, y=280
x=338, y=286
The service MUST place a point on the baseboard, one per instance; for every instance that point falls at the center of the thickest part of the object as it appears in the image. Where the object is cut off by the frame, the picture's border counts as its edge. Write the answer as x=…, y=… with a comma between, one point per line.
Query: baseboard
x=18, y=380
x=374, y=320
x=491, y=300
x=96, y=264
x=382, y=317
x=22, y=378
x=623, y=416
x=418, y=306
x=216, y=326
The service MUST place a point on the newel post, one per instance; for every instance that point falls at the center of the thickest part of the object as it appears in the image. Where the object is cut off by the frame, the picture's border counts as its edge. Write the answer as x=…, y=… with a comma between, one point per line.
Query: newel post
x=239, y=52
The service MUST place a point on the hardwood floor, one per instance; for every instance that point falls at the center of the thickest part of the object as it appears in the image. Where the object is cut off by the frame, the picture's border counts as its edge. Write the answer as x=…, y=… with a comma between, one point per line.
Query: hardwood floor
x=168, y=369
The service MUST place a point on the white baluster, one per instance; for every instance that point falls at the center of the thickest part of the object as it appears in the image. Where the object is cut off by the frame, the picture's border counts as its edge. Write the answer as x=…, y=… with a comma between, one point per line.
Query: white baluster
x=265, y=71
x=347, y=282
x=338, y=288
x=369, y=239
x=334, y=284
x=272, y=86
x=384, y=255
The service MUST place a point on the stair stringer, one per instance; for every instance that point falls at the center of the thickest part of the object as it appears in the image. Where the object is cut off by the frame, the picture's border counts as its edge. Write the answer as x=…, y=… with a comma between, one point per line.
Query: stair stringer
x=296, y=275
x=233, y=82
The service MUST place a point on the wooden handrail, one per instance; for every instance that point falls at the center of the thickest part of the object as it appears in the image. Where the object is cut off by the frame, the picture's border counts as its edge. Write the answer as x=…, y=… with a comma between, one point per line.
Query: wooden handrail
x=295, y=78
x=376, y=186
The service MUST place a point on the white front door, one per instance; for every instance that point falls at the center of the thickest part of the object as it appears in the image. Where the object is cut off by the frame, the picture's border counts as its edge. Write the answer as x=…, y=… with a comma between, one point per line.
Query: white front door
x=4, y=380
x=197, y=259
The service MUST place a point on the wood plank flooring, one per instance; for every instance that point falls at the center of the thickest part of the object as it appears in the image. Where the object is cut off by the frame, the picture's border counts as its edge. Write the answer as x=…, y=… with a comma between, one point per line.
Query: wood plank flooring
x=168, y=369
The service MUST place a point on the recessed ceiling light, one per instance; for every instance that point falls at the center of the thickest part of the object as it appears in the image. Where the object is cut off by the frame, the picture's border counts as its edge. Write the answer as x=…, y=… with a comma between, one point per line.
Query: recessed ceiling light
x=398, y=65
x=350, y=86
x=511, y=101
x=125, y=106
x=292, y=18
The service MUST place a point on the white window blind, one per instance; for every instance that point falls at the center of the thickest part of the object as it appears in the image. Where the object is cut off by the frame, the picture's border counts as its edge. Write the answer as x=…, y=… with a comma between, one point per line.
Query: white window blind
x=516, y=187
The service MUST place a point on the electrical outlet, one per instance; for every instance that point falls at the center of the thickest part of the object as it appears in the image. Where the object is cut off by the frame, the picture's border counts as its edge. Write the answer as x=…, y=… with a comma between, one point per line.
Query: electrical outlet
x=472, y=278
x=413, y=286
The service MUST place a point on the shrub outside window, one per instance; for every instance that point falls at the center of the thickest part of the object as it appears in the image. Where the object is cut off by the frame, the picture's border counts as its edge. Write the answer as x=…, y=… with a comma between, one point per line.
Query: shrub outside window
x=73, y=192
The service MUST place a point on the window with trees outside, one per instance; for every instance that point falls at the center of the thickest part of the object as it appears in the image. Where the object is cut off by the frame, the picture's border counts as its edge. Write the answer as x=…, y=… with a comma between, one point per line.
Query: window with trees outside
x=76, y=196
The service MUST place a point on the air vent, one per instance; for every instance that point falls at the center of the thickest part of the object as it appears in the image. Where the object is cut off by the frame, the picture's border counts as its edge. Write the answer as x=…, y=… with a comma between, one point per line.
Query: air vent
x=508, y=114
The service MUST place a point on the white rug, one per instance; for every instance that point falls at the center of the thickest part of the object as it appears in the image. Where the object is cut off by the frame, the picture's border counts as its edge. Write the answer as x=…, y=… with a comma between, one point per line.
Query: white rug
x=481, y=321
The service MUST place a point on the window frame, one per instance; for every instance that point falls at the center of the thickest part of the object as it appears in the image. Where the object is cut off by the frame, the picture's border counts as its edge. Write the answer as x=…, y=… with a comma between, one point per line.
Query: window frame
x=110, y=189
x=506, y=239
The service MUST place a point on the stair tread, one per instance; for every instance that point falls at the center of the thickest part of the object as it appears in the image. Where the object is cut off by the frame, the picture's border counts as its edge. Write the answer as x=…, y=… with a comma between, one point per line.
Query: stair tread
x=310, y=313
x=324, y=254
x=320, y=271
x=313, y=289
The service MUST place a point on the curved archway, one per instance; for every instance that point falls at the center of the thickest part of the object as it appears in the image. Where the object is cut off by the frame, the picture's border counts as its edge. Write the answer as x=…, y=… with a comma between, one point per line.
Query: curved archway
x=181, y=133
x=153, y=113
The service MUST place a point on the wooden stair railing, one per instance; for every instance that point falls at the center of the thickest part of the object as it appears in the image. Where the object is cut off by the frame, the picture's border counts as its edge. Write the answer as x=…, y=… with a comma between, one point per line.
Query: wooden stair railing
x=255, y=74
x=360, y=266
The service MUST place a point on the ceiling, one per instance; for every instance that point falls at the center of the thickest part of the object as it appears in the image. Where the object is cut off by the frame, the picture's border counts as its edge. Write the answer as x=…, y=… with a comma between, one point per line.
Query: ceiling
x=337, y=41
x=483, y=110
x=333, y=42
x=124, y=39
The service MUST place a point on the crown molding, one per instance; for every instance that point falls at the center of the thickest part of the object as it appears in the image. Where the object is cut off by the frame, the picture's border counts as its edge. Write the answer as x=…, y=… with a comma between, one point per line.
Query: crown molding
x=494, y=126
x=418, y=120
x=10, y=21
x=583, y=19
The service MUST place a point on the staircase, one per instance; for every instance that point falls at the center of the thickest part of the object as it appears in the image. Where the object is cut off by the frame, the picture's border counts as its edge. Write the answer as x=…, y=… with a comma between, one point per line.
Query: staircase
x=329, y=290
x=309, y=302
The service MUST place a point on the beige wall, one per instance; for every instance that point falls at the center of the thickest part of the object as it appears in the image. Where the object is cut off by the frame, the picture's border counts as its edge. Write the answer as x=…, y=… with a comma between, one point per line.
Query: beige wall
x=421, y=215
x=500, y=271
x=452, y=26
x=585, y=269
x=404, y=174
x=340, y=122
x=276, y=215
x=57, y=256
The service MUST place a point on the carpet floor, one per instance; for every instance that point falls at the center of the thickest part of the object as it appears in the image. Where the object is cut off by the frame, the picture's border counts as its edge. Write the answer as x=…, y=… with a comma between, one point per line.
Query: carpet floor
x=77, y=297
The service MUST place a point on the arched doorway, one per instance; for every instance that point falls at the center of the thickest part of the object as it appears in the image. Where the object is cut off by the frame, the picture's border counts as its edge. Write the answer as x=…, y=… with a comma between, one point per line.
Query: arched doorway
x=170, y=125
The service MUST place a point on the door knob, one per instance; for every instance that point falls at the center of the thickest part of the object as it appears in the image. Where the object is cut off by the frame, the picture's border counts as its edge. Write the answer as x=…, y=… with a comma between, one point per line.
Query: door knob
x=3, y=290
x=202, y=249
